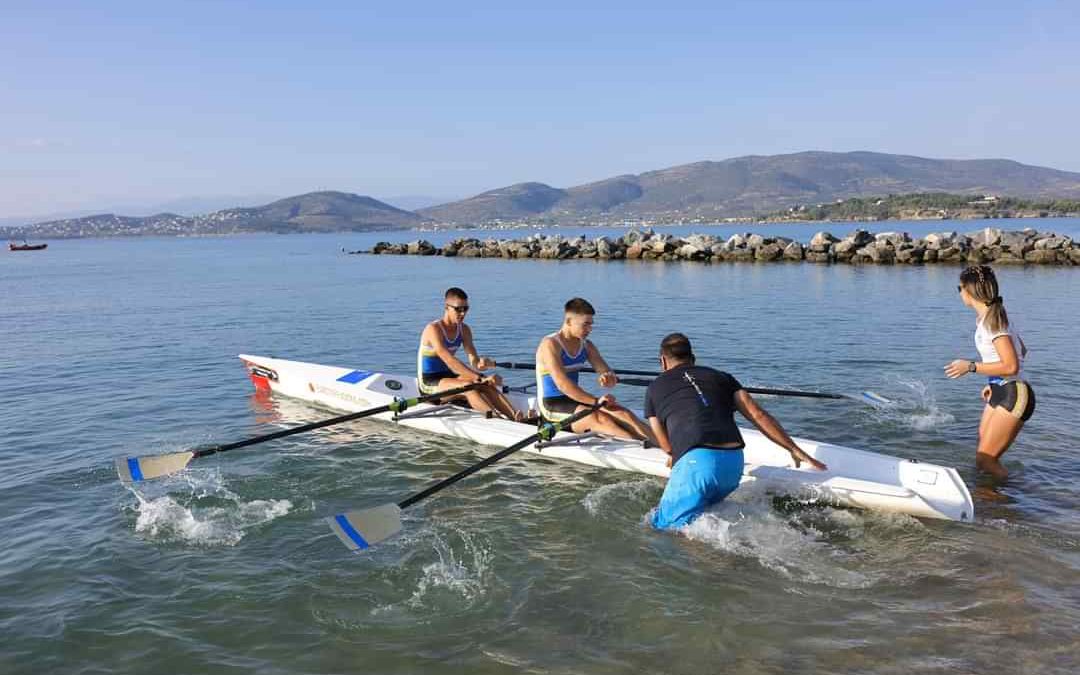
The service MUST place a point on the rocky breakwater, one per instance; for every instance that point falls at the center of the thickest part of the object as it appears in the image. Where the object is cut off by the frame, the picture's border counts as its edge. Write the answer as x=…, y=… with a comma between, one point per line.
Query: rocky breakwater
x=986, y=246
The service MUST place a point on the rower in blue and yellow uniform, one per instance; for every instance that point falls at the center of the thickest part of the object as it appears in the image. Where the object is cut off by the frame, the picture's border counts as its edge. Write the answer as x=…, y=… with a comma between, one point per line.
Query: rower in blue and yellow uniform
x=559, y=360
x=438, y=368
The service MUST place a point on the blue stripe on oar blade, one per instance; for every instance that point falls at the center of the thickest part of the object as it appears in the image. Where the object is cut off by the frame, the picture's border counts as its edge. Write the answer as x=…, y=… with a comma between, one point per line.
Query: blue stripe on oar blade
x=134, y=470
x=350, y=531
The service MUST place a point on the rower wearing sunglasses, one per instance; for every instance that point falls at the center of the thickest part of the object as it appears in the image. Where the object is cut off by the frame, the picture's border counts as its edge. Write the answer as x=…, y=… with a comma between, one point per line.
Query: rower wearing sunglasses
x=439, y=368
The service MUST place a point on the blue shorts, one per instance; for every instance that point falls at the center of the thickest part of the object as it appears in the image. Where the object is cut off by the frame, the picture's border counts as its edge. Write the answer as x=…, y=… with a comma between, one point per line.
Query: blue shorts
x=701, y=478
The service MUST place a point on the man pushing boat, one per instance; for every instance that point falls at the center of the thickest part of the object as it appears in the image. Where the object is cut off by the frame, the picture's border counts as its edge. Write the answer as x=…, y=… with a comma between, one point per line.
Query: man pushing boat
x=559, y=360
x=691, y=410
x=439, y=368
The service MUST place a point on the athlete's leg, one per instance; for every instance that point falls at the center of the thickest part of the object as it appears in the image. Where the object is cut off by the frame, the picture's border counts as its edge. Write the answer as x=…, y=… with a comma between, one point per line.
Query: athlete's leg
x=499, y=402
x=473, y=398
x=1000, y=431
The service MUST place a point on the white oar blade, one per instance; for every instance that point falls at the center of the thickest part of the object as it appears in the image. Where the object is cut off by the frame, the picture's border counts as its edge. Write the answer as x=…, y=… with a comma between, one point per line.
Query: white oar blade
x=359, y=530
x=875, y=399
x=136, y=469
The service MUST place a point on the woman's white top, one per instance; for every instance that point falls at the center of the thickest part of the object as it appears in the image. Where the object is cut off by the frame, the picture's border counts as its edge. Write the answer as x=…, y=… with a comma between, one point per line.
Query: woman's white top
x=984, y=342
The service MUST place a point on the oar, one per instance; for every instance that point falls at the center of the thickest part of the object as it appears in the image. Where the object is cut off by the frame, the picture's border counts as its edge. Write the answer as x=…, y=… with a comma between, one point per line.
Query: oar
x=868, y=397
x=135, y=469
x=862, y=397
x=362, y=529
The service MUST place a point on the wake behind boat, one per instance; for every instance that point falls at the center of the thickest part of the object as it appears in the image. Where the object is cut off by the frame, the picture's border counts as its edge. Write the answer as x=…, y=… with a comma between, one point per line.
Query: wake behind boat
x=855, y=478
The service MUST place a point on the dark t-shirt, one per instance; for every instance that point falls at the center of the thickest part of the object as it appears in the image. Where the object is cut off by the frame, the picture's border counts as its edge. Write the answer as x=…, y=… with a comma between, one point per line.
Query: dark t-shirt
x=697, y=406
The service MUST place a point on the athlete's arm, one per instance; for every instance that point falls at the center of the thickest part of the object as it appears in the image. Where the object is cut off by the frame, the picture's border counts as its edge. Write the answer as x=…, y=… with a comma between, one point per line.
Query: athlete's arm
x=548, y=354
x=1008, y=366
x=606, y=376
x=768, y=425
x=661, y=436
x=433, y=336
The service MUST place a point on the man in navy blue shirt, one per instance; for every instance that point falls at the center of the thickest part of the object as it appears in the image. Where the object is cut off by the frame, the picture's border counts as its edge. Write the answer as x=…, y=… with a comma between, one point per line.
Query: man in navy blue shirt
x=691, y=410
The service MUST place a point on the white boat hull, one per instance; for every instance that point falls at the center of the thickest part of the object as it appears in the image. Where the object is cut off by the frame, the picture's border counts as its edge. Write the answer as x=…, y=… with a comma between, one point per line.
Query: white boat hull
x=855, y=478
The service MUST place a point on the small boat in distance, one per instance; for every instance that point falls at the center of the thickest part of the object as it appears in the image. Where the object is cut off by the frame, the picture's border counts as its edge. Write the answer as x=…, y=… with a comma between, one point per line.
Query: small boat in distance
x=25, y=246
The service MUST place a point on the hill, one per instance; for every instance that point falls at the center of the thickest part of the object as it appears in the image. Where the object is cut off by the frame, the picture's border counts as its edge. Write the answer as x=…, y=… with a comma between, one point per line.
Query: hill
x=312, y=212
x=751, y=185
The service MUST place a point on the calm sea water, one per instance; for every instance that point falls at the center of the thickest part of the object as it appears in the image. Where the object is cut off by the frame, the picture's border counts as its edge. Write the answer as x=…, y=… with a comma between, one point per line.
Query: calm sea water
x=126, y=347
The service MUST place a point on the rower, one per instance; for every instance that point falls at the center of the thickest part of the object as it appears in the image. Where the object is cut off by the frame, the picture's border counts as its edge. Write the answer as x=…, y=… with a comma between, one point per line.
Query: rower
x=559, y=360
x=691, y=410
x=439, y=368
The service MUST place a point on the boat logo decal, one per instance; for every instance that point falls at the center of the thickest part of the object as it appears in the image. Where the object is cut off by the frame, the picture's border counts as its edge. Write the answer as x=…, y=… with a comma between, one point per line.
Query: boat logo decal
x=392, y=385
x=355, y=376
x=260, y=371
x=344, y=396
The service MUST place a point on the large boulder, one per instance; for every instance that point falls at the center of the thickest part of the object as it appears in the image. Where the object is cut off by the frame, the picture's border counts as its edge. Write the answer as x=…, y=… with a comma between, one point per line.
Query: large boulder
x=911, y=255
x=938, y=240
x=1074, y=255
x=1053, y=243
x=633, y=251
x=603, y=247
x=740, y=255
x=988, y=236
x=1044, y=256
x=822, y=241
x=818, y=256
x=756, y=240
x=1017, y=243
x=470, y=251
x=793, y=251
x=893, y=239
x=736, y=241
x=691, y=252
x=860, y=237
x=768, y=252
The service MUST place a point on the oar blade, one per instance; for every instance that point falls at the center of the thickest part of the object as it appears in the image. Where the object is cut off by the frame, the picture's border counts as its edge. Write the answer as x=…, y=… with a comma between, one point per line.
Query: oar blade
x=874, y=399
x=137, y=469
x=362, y=529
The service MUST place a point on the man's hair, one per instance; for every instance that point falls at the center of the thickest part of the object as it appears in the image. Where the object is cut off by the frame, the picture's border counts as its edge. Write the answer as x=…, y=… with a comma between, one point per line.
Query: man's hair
x=677, y=346
x=579, y=306
x=456, y=292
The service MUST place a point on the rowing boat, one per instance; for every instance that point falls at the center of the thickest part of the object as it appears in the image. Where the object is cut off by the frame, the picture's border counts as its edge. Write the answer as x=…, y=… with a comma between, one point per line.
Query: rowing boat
x=855, y=478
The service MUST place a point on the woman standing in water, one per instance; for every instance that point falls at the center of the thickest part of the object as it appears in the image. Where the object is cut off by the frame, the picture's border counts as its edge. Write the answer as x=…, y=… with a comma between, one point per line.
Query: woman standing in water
x=1009, y=399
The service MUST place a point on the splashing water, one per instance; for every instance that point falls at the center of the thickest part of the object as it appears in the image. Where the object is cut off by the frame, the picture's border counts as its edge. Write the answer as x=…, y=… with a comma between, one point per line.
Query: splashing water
x=462, y=575
x=173, y=518
x=919, y=411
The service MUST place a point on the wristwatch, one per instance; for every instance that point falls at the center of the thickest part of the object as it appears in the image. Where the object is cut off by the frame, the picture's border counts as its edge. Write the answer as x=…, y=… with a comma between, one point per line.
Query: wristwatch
x=971, y=366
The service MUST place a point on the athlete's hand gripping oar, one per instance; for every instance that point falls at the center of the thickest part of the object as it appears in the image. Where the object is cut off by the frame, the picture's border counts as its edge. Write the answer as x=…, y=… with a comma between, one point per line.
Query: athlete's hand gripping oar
x=364, y=528
x=135, y=469
x=868, y=397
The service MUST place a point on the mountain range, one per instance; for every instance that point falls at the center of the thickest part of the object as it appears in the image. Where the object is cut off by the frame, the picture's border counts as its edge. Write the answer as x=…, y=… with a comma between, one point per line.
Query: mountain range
x=741, y=186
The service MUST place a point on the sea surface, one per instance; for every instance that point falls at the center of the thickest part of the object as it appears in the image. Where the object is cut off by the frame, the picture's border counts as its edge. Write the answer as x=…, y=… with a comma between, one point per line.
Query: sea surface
x=128, y=346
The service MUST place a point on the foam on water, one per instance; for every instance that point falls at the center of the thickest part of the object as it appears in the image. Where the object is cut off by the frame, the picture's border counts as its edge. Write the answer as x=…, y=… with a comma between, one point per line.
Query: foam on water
x=798, y=551
x=462, y=574
x=172, y=517
x=919, y=410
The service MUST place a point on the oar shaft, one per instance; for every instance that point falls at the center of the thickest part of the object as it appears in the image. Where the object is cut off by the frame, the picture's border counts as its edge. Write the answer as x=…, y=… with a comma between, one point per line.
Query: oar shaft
x=765, y=391
x=398, y=405
x=644, y=383
x=548, y=430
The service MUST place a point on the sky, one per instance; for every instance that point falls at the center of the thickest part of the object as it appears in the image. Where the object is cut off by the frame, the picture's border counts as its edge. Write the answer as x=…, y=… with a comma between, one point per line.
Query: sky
x=108, y=103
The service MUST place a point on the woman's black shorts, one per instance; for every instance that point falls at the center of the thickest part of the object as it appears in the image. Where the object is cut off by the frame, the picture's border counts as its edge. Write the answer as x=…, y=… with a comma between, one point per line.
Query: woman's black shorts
x=1015, y=396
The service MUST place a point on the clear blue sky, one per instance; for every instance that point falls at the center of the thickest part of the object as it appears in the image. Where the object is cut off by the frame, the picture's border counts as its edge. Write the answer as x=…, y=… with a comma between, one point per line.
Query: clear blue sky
x=106, y=102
